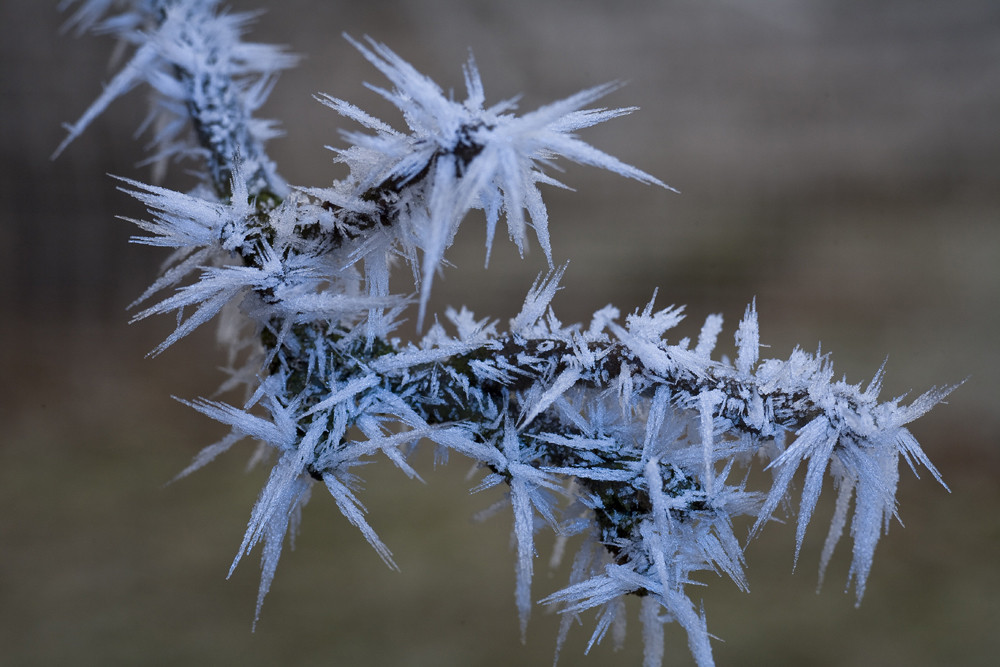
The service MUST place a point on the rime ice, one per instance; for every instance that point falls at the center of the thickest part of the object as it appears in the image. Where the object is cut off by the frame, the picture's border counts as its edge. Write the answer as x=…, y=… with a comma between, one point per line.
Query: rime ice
x=611, y=431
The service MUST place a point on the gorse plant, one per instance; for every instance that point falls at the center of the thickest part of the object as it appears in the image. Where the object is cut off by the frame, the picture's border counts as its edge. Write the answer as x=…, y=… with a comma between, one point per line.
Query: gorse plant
x=606, y=430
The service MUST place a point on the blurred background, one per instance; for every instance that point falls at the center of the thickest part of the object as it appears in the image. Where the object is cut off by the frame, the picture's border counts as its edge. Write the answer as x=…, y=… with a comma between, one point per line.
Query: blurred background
x=838, y=161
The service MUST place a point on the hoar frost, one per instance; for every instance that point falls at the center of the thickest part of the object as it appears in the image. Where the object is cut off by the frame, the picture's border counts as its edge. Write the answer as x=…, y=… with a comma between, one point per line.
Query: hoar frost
x=607, y=431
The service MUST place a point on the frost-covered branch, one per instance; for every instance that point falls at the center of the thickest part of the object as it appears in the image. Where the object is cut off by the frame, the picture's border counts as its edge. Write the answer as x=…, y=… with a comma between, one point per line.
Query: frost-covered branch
x=203, y=77
x=610, y=431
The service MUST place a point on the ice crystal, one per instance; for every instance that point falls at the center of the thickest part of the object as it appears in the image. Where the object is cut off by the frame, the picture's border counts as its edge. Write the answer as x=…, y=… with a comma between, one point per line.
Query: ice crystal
x=608, y=431
x=204, y=76
x=460, y=156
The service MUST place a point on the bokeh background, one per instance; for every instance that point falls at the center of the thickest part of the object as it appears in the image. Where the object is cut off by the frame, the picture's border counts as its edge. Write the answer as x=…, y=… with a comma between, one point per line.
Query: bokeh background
x=838, y=160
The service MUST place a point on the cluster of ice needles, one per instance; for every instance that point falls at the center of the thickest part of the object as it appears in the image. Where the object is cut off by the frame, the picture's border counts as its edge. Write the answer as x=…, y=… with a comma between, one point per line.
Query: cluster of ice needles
x=609, y=430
